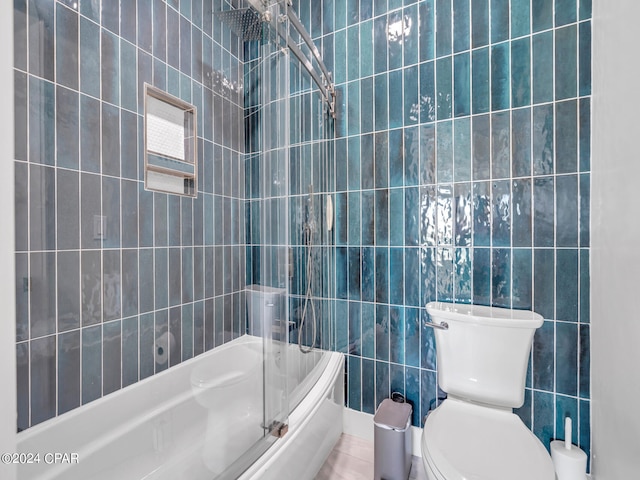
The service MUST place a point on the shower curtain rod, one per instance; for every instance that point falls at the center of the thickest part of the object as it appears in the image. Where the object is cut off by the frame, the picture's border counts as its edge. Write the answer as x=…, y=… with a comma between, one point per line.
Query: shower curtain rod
x=323, y=80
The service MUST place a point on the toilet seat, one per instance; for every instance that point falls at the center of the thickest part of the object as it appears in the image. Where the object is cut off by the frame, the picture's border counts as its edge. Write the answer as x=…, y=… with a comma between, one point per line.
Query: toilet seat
x=462, y=441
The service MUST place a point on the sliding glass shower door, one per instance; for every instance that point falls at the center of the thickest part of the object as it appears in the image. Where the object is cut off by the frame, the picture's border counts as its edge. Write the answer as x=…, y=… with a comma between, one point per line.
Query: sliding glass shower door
x=266, y=81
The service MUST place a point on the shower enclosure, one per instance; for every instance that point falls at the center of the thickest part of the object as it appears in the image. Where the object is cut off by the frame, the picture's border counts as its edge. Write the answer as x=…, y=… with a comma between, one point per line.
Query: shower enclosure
x=117, y=283
x=288, y=172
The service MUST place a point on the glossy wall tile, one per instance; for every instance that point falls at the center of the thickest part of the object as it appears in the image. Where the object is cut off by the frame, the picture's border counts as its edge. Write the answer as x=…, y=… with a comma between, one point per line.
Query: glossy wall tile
x=103, y=266
x=476, y=188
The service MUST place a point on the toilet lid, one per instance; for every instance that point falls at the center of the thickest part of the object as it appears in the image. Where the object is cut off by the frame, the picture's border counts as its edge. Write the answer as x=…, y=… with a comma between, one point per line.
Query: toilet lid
x=469, y=442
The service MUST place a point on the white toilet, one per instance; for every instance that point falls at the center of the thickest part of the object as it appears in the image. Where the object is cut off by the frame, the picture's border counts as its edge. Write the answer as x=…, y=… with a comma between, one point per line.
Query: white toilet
x=482, y=363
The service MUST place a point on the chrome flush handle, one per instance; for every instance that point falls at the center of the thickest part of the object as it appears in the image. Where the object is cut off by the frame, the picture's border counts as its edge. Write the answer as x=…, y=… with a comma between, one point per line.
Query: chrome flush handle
x=438, y=326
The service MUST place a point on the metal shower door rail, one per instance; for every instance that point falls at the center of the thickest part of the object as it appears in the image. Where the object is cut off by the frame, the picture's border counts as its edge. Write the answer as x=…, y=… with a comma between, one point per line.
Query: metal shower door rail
x=322, y=79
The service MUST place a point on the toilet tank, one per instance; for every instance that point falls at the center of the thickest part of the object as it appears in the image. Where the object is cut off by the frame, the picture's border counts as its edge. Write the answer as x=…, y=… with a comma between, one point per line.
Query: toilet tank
x=266, y=311
x=483, y=355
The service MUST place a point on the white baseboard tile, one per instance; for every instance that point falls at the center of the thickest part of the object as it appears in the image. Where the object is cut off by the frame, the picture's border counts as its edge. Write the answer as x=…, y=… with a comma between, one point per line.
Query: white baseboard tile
x=360, y=424
x=417, y=439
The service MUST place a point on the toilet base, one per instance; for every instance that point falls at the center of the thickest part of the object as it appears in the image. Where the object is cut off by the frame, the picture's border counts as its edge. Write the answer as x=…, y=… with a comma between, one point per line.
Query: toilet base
x=452, y=445
x=430, y=473
x=429, y=470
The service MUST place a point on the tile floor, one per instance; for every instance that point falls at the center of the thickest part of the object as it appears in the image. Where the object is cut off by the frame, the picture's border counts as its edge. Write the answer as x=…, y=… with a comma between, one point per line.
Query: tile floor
x=352, y=459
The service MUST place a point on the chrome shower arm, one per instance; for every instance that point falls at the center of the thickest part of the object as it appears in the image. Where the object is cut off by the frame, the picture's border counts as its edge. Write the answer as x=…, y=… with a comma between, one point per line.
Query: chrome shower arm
x=322, y=79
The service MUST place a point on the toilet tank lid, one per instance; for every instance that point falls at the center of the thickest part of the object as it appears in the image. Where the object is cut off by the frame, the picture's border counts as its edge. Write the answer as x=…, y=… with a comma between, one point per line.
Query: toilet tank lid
x=266, y=289
x=485, y=315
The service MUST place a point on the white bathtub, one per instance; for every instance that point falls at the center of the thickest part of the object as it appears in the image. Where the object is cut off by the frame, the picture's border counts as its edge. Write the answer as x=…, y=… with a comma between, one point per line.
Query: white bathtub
x=195, y=421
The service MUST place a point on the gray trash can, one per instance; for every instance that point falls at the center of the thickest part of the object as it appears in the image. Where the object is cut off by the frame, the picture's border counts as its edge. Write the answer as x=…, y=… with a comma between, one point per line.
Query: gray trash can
x=392, y=441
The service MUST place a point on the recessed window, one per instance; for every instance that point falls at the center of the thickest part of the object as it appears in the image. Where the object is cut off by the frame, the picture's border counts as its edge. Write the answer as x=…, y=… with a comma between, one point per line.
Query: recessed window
x=170, y=159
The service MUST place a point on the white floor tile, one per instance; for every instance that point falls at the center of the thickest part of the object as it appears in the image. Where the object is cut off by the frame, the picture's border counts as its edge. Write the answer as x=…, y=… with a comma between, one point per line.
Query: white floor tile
x=353, y=459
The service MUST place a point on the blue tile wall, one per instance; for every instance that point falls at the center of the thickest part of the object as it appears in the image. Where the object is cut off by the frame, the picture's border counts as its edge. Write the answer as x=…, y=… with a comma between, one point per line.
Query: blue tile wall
x=476, y=188
x=90, y=308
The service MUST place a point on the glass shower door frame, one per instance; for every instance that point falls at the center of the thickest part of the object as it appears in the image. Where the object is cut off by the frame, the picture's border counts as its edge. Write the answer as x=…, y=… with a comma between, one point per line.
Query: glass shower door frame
x=270, y=305
x=274, y=221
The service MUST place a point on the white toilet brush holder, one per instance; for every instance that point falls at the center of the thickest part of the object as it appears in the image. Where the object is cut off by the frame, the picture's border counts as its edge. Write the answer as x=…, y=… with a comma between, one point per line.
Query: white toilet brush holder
x=569, y=461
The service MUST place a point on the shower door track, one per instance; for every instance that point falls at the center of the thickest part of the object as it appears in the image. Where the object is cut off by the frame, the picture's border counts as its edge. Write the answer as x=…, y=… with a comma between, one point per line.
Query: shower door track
x=322, y=79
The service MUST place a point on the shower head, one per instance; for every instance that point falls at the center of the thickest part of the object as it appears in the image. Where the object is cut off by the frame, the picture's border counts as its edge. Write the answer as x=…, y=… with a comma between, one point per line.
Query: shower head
x=246, y=23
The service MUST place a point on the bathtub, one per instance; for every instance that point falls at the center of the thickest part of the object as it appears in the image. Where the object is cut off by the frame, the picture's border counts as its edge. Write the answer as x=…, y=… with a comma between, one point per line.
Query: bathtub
x=202, y=419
